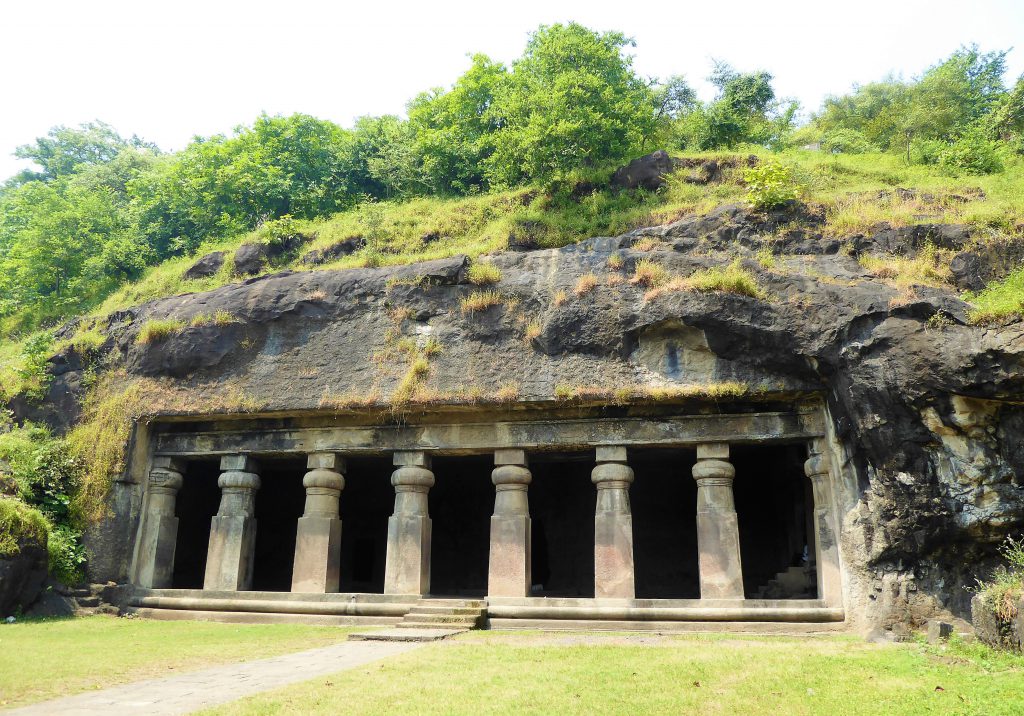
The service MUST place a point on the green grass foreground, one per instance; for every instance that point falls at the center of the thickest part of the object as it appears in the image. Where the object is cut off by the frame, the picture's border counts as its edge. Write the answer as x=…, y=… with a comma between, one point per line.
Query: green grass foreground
x=590, y=674
x=46, y=659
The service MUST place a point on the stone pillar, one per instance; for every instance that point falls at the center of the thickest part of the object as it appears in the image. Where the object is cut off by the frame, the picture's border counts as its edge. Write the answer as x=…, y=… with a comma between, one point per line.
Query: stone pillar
x=508, y=568
x=826, y=536
x=233, y=529
x=718, y=536
x=613, y=525
x=160, y=534
x=317, y=563
x=408, y=556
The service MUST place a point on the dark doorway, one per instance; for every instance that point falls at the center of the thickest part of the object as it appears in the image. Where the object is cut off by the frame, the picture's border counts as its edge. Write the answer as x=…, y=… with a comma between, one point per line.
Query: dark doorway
x=197, y=502
x=772, y=506
x=280, y=502
x=366, y=503
x=461, y=502
x=562, y=502
x=664, y=504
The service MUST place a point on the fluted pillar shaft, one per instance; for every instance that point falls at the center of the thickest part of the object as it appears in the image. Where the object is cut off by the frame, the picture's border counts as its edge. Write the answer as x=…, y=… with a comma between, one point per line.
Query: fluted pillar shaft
x=613, y=525
x=408, y=555
x=160, y=534
x=826, y=536
x=317, y=563
x=718, y=537
x=508, y=567
x=229, y=562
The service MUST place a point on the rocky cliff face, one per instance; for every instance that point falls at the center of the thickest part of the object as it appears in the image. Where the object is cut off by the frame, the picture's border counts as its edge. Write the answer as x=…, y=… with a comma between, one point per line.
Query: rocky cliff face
x=928, y=409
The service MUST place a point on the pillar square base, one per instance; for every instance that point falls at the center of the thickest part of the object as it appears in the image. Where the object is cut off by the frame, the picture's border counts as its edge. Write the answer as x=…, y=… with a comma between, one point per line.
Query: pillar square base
x=232, y=548
x=156, y=552
x=613, y=555
x=508, y=567
x=721, y=573
x=317, y=562
x=408, y=555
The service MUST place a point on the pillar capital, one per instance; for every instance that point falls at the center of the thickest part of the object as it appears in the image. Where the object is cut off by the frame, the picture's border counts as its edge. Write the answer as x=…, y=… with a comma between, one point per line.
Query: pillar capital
x=238, y=481
x=166, y=475
x=239, y=463
x=325, y=461
x=411, y=458
x=511, y=477
x=323, y=479
x=611, y=471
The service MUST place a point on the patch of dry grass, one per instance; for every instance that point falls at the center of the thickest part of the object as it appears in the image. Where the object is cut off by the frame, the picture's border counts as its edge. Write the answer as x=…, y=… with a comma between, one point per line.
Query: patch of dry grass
x=480, y=301
x=585, y=284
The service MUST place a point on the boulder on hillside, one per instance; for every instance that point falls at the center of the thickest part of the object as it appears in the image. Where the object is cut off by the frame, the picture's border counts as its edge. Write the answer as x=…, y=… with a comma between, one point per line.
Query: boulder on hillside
x=316, y=257
x=205, y=266
x=646, y=172
x=22, y=575
x=250, y=259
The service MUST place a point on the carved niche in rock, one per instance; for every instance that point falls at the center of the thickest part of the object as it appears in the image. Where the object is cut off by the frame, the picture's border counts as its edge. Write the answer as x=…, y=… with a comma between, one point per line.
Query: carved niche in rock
x=675, y=352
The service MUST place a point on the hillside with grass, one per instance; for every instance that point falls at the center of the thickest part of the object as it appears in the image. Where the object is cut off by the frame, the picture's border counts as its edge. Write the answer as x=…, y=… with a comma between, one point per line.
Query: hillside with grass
x=509, y=217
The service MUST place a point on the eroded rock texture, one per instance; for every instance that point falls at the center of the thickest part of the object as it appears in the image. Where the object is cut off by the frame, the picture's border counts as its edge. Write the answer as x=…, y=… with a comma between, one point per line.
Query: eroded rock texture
x=928, y=410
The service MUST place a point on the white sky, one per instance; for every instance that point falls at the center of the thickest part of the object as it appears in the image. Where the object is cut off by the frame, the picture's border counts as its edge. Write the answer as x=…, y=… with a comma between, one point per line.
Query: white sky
x=170, y=70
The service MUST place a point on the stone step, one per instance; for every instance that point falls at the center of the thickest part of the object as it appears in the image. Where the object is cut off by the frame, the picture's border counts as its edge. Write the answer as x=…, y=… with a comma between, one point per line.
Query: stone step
x=79, y=592
x=446, y=602
x=435, y=609
x=435, y=626
x=441, y=619
x=419, y=634
x=89, y=601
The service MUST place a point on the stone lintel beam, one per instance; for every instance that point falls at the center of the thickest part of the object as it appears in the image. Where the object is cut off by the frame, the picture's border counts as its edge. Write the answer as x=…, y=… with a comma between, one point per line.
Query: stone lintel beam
x=826, y=536
x=407, y=569
x=718, y=539
x=469, y=437
x=508, y=567
x=229, y=562
x=613, y=525
x=159, y=537
x=316, y=567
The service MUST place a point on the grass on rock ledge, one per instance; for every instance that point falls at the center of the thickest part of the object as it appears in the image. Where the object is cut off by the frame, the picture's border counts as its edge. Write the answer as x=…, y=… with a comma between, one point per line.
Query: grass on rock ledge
x=535, y=673
x=46, y=659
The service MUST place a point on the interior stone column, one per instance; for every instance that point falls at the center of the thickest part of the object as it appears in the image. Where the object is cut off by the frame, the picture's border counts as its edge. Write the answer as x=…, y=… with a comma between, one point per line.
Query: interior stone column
x=233, y=529
x=160, y=535
x=408, y=555
x=826, y=536
x=718, y=537
x=508, y=567
x=317, y=563
x=613, y=525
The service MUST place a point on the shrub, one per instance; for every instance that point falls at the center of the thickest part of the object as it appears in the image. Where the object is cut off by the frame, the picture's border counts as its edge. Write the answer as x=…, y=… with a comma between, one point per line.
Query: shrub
x=1004, y=590
x=34, y=370
x=66, y=555
x=972, y=154
x=19, y=522
x=847, y=141
x=157, y=329
x=483, y=274
x=770, y=184
x=220, y=318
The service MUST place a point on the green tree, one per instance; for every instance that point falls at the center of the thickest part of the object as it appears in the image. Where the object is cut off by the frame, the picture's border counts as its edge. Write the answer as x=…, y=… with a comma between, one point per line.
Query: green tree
x=64, y=150
x=571, y=100
x=453, y=130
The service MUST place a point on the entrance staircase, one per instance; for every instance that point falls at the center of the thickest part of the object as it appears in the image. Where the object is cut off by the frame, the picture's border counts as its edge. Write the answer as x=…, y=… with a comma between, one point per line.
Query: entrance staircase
x=794, y=583
x=432, y=619
x=445, y=614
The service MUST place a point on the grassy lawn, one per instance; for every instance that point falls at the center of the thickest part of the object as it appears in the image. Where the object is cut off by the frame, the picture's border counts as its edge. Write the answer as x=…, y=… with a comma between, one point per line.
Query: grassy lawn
x=620, y=674
x=56, y=657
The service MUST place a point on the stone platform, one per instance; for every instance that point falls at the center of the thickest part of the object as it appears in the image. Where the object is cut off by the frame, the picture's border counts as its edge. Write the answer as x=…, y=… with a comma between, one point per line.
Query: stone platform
x=405, y=634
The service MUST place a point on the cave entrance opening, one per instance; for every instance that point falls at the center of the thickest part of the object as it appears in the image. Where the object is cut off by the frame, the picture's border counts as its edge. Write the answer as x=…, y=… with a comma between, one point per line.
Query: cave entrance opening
x=460, y=505
x=279, y=505
x=366, y=504
x=196, y=504
x=663, y=498
x=562, y=501
x=774, y=506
